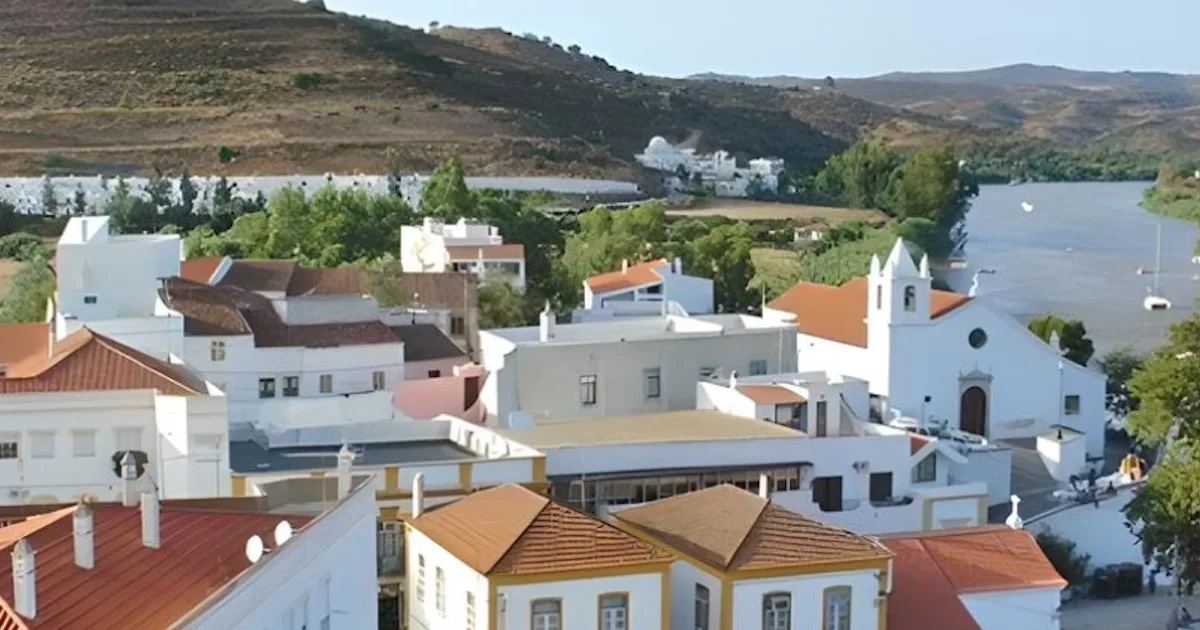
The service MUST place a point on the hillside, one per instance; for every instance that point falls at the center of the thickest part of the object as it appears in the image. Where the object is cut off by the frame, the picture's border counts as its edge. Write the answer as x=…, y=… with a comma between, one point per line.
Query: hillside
x=1147, y=111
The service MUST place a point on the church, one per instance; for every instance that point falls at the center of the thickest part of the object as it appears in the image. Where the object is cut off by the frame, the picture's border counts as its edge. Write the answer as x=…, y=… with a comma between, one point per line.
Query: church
x=941, y=358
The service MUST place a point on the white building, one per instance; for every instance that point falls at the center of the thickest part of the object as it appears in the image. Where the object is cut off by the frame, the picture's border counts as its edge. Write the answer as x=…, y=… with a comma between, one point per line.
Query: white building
x=72, y=408
x=644, y=289
x=465, y=246
x=985, y=578
x=510, y=558
x=744, y=562
x=940, y=358
x=718, y=170
x=196, y=568
x=626, y=365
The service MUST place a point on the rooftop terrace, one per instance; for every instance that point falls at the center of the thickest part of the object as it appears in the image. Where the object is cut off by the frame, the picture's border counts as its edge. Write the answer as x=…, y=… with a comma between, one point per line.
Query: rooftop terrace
x=636, y=328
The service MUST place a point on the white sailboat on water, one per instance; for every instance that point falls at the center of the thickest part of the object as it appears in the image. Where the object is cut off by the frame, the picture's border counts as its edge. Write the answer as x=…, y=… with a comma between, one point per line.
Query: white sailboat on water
x=1155, y=301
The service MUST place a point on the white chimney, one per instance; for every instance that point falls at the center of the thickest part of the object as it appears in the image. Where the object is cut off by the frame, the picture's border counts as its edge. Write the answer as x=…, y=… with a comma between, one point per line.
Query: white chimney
x=733, y=380
x=925, y=266
x=624, y=266
x=85, y=540
x=151, y=519
x=1014, y=519
x=764, y=489
x=345, y=459
x=678, y=265
x=418, y=495
x=24, y=571
x=546, y=323
x=128, y=480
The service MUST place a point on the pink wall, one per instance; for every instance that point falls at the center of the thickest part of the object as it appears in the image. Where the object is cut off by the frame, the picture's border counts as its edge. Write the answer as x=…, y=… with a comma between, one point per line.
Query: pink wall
x=423, y=399
x=419, y=370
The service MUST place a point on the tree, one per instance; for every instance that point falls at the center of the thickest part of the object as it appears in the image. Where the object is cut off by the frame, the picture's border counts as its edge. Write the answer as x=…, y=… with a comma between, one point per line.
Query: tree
x=574, y=49
x=501, y=305
x=1119, y=366
x=32, y=286
x=9, y=221
x=446, y=193
x=1163, y=513
x=385, y=281
x=930, y=185
x=829, y=82
x=128, y=213
x=49, y=200
x=79, y=202
x=606, y=238
x=1072, y=336
x=433, y=26
x=1165, y=387
x=187, y=193
x=724, y=255
x=859, y=176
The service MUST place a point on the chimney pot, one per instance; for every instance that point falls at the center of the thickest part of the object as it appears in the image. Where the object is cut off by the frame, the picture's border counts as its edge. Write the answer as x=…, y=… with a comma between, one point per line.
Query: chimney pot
x=128, y=480
x=418, y=495
x=624, y=266
x=345, y=460
x=764, y=482
x=24, y=572
x=151, y=520
x=85, y=541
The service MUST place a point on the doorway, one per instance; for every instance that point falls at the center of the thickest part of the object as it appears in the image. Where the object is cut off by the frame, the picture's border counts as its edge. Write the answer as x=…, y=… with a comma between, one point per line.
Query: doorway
x=972, y=411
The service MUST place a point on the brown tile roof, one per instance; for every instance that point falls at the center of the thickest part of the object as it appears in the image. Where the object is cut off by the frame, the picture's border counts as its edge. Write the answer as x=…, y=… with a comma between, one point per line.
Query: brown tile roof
x=916, y=443
x=131, y=586
x=770, y=394
x=200, y=269
x=983, y=559
x=509, y=530
x=513, y=251
x=636, y=275
x=207, y=310
x=921, y=596
x=18, y=341
x=426, y=342
x=290, y=278
x=731, y=529
x=259, y=275
x=86, y=361
x=325, y=281
x=839, y=313
x=449, y=290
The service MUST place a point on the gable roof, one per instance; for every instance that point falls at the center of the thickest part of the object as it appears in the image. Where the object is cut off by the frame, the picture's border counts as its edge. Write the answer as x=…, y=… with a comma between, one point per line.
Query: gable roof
x=130, y=586
x=839, y=313
x=200, y=269
x=509, y=251
x=87, y=361
x=634, y=276
x=325, y=281
x=426, y=342
x=986, y=559
x=259, y=275
x=18, y=341
x=730, y=530
x=510, y=530
x=921, y=595
x=290, y=278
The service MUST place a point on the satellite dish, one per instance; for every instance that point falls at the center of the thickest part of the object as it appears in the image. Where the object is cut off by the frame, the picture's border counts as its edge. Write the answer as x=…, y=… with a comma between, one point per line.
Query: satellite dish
x=254, y=549
x=283, y=533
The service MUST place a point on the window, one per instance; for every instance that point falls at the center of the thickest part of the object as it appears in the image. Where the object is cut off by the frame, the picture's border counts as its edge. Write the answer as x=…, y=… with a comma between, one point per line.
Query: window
x=822, y=418
x=435, y=373
x=547, y=614
x=89, y=299
x=470, y=610
x=1071, y=405
x=439, y=591
x=977, y=338
x=837, y=608
x=378, y=381
x=758, y=366
x=129, y=439
x=420, y=578
x=707, y=372
x=654, y=290
x=266, y=388
x=291, y=386
x=881, y=487
x=653, y=378
x=458, y=326
x=8, y=445
x=777, y=611
x=910, y=298
x=614, y=612
x=587, y=389
x=216, y=351
x=326, y=382
x=83, y=443
x=827, y=493
x=702, y=607
x=926, y=470
x=41, y=444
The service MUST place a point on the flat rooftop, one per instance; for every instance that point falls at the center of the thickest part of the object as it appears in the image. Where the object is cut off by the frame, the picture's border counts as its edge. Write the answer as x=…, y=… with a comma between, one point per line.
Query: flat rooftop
x=247, y=457
x=650, y=327
x=670, y=426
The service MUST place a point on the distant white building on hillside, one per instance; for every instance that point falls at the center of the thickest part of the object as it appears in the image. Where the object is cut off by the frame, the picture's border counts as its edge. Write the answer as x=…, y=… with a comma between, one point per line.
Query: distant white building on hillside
x=718, y=170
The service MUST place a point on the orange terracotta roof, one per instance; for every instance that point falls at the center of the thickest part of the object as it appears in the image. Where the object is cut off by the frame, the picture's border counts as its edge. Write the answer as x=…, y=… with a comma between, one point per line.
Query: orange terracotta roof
x=514, y=251
x=771, y=394
x=839, y=313
x=637, y=275
x=19, y=341
x=200, y=269
x=916, y=443
x=131, y=587
x=509, y=530
x=984, y=559
x=86, y=361
x=921, y=596
x=731, y=529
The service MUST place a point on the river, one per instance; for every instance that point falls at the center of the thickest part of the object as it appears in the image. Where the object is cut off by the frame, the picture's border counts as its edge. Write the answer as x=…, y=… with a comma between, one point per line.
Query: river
x=1076, y=255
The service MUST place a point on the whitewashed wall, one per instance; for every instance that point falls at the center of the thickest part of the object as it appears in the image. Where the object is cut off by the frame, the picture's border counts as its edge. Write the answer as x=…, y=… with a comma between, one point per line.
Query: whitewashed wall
x=807, y=599
x=1028, y=609
x=459, y=579
x=581, y=599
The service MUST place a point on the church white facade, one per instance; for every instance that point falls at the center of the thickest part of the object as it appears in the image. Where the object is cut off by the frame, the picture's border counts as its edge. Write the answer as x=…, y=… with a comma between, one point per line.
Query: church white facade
x=939, y=357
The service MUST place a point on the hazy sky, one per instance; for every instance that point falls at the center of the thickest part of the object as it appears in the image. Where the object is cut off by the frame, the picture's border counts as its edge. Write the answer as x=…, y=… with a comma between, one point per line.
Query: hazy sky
x=838, y=37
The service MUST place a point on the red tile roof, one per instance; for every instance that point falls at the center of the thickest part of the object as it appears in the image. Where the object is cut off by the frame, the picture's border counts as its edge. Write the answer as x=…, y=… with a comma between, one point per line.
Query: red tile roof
x=922, y=597
x=916, y=443
x=86, y=361
x=770, y=394
x=513, y=251
x=18, y=341
x=509, y=530
x=984, y=559
x=131, y=587
x=290, y=278
x=200, y=269
x=636, y=276
x=839, y=313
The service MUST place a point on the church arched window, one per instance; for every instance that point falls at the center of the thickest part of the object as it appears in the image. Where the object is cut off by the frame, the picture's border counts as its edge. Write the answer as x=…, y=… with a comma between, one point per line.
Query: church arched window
x=910, y=298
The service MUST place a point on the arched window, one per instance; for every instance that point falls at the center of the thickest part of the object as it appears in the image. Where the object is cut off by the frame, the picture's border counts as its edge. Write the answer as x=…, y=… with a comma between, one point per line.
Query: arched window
x=837, y=608
x=879, y=298
x=777, y=611
x=910, y=298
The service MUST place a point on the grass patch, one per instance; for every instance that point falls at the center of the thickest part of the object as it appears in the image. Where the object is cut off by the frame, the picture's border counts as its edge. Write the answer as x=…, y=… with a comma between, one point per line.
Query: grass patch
x=775, y=270
x=746, y=210
x=8, y=268
x=1180, y=202
x=307, y=80
x=59, y=164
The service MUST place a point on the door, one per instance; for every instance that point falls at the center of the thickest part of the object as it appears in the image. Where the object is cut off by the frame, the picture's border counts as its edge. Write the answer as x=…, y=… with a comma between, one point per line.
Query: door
x=470, y=391
x=881, y=487
x=972, y=411
x=827, y=493
x=822, y=424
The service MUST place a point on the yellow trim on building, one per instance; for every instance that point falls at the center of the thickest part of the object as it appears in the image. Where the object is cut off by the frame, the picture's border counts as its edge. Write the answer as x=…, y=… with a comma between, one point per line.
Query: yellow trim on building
x=726, y=604
x=237, y=485
x=539, y=468
x=493, y=609
x=317, y=474
x=464, y=476
x=391, y=477
x=665, y=596
x=580, y=574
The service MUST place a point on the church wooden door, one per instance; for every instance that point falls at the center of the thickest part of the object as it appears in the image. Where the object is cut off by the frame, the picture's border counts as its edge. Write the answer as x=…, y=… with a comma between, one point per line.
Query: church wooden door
x=972, y=411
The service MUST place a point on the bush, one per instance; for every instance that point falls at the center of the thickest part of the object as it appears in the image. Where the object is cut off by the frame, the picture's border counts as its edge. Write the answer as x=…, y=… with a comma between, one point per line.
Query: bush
x=307, y=80
x=1061, y=553
x=22, y=246
x=227, y=155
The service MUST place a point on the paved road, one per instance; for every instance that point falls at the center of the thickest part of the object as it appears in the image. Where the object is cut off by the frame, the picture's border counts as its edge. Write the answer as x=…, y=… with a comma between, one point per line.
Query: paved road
x=1148, y=612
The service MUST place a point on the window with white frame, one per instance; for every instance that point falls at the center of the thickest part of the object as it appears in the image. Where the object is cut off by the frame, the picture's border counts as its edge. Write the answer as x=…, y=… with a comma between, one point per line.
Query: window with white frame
x=777, y=611
x=266, y=388
x=291, y=386
x=837, y=608
x=547, y=614
x=9, y=445
x=925, y=470
x=758, y=367
x=421, y=578
x=470, y=610
x=326, y=383
x=378, y=381
x=587, y=389
x=41, y=444
x=129, y=439
x=439, y=591
x=614, y=612
x=653, y=378
x=700, y=622
x=83, y=443
x=216, y=351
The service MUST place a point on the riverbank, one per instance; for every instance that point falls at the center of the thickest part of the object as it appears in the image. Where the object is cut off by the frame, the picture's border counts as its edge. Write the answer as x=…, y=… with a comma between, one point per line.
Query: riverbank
x=1175, y=201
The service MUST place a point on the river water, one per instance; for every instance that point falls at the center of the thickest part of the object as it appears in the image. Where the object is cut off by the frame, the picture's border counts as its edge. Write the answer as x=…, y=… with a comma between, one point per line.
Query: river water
x=1076, y=255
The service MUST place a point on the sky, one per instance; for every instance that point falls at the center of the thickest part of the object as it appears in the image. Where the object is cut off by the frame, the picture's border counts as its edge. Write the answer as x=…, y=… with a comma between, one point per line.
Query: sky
x=843, y=38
